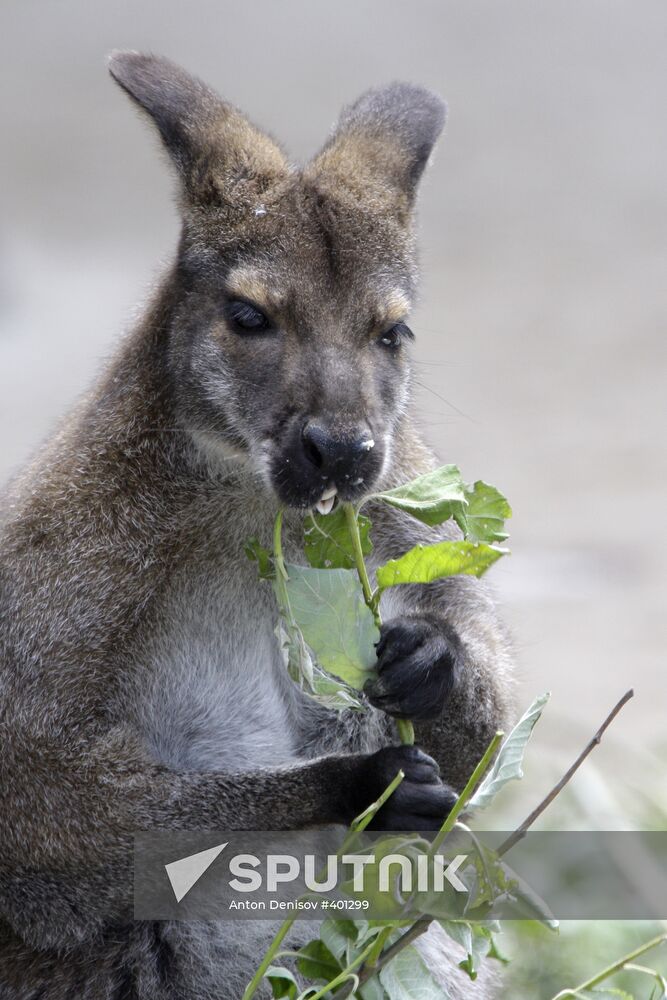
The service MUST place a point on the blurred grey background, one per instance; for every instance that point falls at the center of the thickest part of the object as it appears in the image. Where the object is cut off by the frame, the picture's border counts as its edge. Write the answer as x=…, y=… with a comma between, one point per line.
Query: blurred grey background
x=541, y=342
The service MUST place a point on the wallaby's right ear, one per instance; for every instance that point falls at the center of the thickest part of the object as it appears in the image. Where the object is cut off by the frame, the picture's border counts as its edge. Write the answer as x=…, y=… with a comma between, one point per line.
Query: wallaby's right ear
x=213, y=146
x=381, y=145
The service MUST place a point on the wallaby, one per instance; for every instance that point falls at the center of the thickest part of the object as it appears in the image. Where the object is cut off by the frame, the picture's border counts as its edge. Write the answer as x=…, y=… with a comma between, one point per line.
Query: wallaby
x=141, y=684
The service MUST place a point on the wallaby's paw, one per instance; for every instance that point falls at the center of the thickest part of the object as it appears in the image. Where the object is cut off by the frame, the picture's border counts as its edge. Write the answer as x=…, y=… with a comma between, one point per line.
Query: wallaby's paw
x=421, y=801
x=418, y=660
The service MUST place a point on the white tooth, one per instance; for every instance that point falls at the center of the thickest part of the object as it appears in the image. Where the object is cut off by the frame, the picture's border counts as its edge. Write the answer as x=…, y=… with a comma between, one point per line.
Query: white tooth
x=325, y=506
x=329, y=492
x=368, y=444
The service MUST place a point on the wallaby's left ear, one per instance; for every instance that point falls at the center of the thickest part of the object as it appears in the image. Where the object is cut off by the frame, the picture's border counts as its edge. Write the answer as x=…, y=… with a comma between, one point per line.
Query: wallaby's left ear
x=384, y=140
x=212, y=144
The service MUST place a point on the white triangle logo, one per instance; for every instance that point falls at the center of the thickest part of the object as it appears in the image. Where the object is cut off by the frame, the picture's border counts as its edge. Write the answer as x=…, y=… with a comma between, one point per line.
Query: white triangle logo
x=186, y=871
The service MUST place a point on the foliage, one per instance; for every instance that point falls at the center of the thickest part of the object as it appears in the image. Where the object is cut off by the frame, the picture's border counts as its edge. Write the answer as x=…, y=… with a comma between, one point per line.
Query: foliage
x=329, y=616
x=426, y=563
x=327, y=543
x=329, y=620
x=507, y=766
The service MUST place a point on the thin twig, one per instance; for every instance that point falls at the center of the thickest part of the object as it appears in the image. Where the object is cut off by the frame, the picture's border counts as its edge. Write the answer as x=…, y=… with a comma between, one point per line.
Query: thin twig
x=617, y=966
x=520, y=832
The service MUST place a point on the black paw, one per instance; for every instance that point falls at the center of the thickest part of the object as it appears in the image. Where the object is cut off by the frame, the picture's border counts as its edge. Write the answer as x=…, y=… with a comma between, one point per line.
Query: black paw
x=420, y=803
x=418, y=661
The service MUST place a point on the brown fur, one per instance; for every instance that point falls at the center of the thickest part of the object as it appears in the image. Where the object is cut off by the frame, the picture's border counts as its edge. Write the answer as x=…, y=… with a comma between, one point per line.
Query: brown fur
x=121, y=558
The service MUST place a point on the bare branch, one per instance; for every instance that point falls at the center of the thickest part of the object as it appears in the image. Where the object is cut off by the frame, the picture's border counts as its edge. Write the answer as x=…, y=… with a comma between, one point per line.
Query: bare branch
x=520, y=832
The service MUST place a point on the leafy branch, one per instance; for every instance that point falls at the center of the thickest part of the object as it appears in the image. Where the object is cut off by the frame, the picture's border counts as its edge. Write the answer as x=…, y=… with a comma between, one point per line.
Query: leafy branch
x=357, y=826
x=329, y=623
x=422, y=925
x=370, y=961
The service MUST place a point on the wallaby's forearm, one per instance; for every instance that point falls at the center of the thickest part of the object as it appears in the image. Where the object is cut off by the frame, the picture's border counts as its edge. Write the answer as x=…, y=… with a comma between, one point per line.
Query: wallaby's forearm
x=68, y=813
x=72, y=803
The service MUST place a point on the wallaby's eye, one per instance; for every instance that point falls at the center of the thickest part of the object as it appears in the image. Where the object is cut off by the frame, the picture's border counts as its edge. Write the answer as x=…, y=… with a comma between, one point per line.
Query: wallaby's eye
x=246, y=318
x=394, y=337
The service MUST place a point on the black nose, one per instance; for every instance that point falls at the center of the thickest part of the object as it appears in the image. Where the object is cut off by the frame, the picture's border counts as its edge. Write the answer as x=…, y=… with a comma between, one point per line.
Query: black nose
x=338, y=457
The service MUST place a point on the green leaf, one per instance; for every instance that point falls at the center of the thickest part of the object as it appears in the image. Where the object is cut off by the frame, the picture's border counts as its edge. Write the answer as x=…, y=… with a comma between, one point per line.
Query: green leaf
x=372, y=990
x=431, y=498
x=460, y=931
x=262, y=557
x=387, y=904
x=328, y=606
x=308, y=674
x=425, y=563
x=406, y=977
x=315, y=961
x=507, y=765
x=327, y=542
x=494, y=889
x=475, y=939
x=283, y=983
x=483, y=519
x=494, y=949
x=521, y=902
x=337, y=935
x=295, y=654
x=475, y=945
x=481, y=944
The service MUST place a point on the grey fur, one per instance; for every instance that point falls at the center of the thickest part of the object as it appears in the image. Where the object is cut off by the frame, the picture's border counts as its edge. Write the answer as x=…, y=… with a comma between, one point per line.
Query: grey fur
x=410, y=116
x=140, y=685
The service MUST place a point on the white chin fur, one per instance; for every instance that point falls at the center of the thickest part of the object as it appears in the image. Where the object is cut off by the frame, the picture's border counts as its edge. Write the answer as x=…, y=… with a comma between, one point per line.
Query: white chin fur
x=217, y=452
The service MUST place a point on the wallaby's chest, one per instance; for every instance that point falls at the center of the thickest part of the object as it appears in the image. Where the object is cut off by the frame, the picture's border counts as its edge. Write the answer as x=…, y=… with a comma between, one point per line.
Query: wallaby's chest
x=210, y=691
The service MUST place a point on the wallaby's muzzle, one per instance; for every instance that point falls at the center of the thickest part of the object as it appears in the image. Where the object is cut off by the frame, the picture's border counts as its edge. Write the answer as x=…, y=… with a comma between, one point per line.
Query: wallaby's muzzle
x=318, y=462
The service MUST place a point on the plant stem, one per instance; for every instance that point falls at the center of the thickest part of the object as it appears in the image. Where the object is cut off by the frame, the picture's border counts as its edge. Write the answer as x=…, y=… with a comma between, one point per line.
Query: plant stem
x=405, y=728
x=284, y=929
x=420, y=926
x=281, y=572
x=359, y=561
x=462, y=800
x=378, y=945
x=611, y=969
x=406, y=731
x=278, y=543
x=363, y=819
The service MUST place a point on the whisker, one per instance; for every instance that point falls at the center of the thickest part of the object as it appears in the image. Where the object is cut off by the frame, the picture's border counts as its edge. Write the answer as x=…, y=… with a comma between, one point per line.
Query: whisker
x=445, y=401
x=440, y=364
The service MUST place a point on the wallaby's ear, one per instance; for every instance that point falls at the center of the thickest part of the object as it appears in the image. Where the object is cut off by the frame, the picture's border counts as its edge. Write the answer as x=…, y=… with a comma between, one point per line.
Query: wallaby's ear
x=383, y=142
x=212, y=144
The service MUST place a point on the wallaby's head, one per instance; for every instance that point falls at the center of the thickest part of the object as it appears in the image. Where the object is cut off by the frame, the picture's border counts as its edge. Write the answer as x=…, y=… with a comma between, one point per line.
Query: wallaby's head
x=288, y=344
